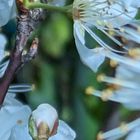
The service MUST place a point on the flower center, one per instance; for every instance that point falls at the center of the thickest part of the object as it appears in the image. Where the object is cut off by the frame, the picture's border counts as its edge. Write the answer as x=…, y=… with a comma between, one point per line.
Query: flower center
x=76, y=14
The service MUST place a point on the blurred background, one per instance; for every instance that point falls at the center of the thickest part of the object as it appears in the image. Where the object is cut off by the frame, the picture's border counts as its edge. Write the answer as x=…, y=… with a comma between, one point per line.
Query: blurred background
x=61, y=79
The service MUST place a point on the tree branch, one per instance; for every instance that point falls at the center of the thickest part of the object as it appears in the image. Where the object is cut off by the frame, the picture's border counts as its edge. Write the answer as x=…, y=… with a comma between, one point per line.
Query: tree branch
x=26, y=22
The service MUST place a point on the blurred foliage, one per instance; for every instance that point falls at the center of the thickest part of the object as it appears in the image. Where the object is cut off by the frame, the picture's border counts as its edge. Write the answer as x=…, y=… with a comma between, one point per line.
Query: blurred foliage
x=61, y=79
x=58, y=34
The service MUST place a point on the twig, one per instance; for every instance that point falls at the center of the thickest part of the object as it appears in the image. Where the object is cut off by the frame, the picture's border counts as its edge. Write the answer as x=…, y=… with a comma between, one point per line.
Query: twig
x=26, y=22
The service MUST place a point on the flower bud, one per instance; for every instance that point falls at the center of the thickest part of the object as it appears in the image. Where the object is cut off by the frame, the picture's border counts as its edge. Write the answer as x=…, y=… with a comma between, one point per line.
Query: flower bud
x=43, y=122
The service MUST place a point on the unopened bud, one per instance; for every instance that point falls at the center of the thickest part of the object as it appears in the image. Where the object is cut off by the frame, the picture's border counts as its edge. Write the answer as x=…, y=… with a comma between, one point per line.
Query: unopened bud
x=43, y=122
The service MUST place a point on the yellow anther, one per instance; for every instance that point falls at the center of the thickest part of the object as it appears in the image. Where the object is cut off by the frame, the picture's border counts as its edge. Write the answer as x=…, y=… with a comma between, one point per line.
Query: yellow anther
x=6, y=53
x=33, y=87
x=76, y=13
x=124, y=127
x=106, y=94
x=138, y=29
x=112, y=33
x=100, y=77
x=114, y=87
x=122, y=29
x=109, y=25
x=135, y=53
x=99, y=22
x=89, y=90
x=113, y=63
x=100, y=136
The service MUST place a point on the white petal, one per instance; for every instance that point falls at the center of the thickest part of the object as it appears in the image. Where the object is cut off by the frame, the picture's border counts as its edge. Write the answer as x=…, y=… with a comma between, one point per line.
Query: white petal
x=45, y=113
x=132, y=105
x=12, y=115
x=93, y=58
x=135, y=3
x=11, y=101
x=7, y=11
x=3, y=42
x=130, y=32
x=119, y=16
x=117, y=133
x=64, y=132
x=134, y=135
x=20, y=132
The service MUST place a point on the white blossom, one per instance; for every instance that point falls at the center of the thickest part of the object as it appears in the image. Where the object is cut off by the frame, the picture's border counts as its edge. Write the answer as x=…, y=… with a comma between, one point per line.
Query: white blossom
x=125, y=89
x=43, y=113
x=109, y=17
x=45, y=118
x=15, y=117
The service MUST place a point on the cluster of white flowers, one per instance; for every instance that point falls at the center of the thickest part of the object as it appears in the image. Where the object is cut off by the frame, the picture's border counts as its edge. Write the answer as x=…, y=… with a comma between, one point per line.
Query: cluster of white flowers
x=116, y=21
x=112, y=24
x=124, y=89
x=14, y=117
x=111, y=18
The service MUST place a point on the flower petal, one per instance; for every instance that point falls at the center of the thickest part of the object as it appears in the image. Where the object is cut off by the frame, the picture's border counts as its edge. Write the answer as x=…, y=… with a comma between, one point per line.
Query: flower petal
x=12, y=115
x=20, y=132
x=134, y=135
x=7, y=11
x=64, y=132
x=93, y=58
x=135, y=3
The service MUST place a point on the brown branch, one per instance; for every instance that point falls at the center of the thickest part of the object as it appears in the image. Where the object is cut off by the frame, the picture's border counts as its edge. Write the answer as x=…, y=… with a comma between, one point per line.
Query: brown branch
x=26, y=22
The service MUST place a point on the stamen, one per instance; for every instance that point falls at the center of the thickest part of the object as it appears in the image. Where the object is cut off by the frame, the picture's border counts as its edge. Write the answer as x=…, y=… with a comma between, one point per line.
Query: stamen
x=113, y=63
x=101, y=42
x=100, y=136
x=110, y=35
x=106, y=94
x=134, y=53
x=122, y=59
x=121, y=131
x=76, y=14
x=21, y=88
x=89, y=90
x=120, y=82
x=124, y=127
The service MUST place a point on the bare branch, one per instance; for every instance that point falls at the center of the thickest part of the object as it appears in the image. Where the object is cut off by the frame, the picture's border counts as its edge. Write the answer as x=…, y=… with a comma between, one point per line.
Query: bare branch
x=26, y=23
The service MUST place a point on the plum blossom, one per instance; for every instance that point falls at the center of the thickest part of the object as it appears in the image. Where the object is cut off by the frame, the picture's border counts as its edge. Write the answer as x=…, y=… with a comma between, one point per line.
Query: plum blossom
x=124, y=87
x=44, y=123
x=110, y=18
x=16, y=116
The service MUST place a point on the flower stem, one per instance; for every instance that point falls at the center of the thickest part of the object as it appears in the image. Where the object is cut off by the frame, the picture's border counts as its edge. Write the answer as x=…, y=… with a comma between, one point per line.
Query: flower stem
x=32, y=5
